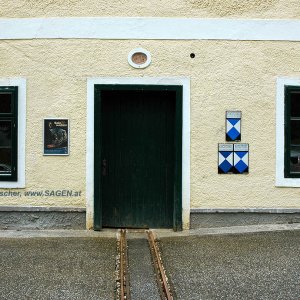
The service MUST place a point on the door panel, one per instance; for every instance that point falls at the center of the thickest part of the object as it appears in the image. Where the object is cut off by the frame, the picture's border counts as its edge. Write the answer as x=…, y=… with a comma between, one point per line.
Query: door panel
x=137, y=154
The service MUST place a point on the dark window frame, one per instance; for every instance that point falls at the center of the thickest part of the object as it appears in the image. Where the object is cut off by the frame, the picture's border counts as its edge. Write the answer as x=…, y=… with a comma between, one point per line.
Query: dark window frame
x=288, y=91
x=13, y=117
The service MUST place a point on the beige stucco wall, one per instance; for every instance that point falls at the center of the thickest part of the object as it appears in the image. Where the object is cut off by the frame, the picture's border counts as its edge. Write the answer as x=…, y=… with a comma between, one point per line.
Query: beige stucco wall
x=154, y=8
x=224, y=75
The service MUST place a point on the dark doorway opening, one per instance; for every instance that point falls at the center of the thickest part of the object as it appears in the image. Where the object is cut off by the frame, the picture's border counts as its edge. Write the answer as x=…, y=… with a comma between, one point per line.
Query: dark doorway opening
x=138, y=140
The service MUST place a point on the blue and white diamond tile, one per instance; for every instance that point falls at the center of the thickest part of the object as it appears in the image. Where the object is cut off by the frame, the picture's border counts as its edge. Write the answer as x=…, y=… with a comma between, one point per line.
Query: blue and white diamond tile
x=233, y=125
x=225, y=163
x=241, y=158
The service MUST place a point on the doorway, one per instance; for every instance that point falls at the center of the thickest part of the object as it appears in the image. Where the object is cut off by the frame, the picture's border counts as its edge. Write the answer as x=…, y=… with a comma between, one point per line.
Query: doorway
x=137, y=167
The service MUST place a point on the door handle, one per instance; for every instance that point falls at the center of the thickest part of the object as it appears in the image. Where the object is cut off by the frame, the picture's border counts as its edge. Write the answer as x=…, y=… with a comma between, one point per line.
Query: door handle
x=104, y=167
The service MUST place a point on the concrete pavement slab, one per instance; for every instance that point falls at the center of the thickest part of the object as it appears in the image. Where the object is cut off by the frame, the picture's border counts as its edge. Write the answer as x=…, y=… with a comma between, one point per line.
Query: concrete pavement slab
x=241, y=262
x=243, y=266
x=57, y=268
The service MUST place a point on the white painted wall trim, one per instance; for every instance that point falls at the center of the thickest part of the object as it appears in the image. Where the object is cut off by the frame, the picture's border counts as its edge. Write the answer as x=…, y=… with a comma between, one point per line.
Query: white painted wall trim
x=21, y=83
x=182, y=81
x=280, y=180
x=149, y=28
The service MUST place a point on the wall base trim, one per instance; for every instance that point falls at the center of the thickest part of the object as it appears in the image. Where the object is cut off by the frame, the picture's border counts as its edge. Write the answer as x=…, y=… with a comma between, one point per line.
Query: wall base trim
x=42, y=208
x=31, y=218
x=36, y=218
x=210, y=218
x=246, y=210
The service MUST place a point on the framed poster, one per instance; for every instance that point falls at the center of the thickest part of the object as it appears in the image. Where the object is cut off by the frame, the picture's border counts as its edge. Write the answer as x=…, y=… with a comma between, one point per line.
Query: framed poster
x=56, y=136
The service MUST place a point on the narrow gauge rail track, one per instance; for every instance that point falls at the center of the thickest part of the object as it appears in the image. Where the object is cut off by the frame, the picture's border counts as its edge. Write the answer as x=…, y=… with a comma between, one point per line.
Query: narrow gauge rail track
x=123, y=269
x=162, y=280
x=123, y=281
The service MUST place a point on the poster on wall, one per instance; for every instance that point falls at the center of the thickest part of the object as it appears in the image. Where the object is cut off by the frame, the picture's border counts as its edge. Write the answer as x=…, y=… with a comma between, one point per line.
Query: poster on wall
x=56, y=136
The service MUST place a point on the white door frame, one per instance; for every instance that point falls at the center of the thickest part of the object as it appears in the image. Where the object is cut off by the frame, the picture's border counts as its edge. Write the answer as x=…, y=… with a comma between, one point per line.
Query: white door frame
x=181, y=81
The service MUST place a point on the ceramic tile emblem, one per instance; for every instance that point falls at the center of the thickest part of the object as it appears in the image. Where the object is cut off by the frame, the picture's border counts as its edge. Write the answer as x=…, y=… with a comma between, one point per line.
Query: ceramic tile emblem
x=241, y=158
x=233, y=158
x=233, y=126
x=225, y=164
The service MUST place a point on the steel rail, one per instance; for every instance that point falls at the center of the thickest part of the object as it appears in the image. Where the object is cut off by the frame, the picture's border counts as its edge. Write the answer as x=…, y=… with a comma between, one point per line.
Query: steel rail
x=122, y=265
x=158, y=266
x=124, y=276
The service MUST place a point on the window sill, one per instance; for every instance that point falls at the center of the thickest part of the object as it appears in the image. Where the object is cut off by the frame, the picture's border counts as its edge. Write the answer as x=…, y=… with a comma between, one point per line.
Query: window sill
x=288, y=182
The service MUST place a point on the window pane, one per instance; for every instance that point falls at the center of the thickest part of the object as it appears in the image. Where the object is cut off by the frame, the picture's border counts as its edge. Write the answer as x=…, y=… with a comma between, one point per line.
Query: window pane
x=295, y=104
x=295, y=132
x=5, y=103
x=5, y=161
x=5, y=134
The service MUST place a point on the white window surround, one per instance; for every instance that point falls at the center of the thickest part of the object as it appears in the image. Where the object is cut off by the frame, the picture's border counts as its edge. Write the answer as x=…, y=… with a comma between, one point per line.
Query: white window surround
x=21, y=84
x=181, y=81
x=280, y=179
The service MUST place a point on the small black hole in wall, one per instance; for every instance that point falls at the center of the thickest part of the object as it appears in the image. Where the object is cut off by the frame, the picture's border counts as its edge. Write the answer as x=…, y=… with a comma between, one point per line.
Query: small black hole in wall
x=192, y=55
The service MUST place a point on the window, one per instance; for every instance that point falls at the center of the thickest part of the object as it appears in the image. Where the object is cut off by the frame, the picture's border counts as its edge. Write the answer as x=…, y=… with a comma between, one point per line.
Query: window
x=13, y=132
x=288, y=132
x=8, y=133
x=292, y=132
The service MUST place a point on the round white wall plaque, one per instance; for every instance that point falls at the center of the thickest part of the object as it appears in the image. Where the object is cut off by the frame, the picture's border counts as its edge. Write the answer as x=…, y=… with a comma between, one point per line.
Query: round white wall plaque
x=139, y=58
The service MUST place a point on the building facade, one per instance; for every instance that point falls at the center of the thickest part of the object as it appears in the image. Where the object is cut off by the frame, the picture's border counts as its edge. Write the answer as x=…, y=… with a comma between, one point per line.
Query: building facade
x=119, y=114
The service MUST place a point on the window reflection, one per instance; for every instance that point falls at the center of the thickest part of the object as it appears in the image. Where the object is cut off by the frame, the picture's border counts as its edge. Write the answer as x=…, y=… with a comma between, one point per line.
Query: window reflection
x=5, y=102
x=5, y=147
x=5, y=133
x=295, y=133
x=5, y=161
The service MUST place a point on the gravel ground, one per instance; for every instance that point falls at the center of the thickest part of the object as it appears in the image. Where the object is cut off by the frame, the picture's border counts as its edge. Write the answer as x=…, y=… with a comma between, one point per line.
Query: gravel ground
x=57, y=268
x=143, y=284
x=241, y=266
x=249, y=266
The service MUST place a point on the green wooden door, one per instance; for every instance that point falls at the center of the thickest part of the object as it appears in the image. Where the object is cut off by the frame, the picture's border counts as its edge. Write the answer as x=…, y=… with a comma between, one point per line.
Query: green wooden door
x=138, y=161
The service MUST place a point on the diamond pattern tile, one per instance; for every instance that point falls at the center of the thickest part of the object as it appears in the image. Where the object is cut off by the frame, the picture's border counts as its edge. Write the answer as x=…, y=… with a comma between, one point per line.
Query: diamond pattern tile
x=233, y=129
x=225, y=162
x=241, y=161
